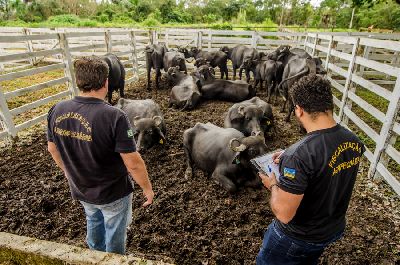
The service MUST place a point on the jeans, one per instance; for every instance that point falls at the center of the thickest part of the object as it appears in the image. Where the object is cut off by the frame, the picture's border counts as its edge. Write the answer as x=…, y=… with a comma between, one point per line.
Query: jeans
x=107, y=224
x=278, y=248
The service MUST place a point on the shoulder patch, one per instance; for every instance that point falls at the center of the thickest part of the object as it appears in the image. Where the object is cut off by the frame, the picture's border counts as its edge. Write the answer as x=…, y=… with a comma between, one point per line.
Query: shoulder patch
x=130, y=133
x=289, y=172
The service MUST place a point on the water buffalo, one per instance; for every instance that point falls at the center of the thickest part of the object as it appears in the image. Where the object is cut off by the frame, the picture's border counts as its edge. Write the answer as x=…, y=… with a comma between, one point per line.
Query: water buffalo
x=155, y=59
x=270, y=72
x=214, y=58
x=242, y=58
x=185, y=94
x=251, y=117
x=224, y=153
x=211, y=88
x=116, y=75
x=284, y=54
x=174, y=58
x=147, y=121
x=294, y=70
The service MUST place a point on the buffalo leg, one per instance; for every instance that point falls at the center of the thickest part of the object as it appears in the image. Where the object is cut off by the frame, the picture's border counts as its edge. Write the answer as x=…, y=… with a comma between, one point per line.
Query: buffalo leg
x=283, y=106
x=240, y=73
x=247, y=75
x=225, y=69
x=122, y=88
x=234, y=72
x=223, y=181
x=291, y=109
x=256, y=82
x=148, y=79
x=158, y=76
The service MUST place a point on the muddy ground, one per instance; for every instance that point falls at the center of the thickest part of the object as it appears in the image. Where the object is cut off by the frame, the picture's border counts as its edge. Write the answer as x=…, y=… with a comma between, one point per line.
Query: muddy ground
x=191, y=221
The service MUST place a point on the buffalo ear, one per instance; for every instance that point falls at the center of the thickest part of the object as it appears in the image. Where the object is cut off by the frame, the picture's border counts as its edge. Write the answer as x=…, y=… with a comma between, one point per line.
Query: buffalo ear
x=236, y=145
x=157, y=120
x=135, y=120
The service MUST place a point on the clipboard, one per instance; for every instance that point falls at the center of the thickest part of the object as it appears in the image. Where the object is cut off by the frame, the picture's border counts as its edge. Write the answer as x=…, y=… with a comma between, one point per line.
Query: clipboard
x=265, y=164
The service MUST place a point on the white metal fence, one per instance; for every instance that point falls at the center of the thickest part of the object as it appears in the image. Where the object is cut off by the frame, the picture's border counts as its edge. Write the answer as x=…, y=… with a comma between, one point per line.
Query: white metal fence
x=356, y=64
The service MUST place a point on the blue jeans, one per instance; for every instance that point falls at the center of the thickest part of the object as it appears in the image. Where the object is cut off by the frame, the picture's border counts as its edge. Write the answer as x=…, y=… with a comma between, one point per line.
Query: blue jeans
x=278, y=248
x=107, y=224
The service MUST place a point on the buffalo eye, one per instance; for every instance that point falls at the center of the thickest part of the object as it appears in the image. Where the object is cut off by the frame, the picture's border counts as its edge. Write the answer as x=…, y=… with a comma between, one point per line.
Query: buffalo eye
x=248, y=118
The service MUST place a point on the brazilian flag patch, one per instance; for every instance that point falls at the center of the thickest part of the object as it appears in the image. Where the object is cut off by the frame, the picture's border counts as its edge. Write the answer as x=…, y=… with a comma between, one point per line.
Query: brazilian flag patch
x=130, y=133
x=289, y=172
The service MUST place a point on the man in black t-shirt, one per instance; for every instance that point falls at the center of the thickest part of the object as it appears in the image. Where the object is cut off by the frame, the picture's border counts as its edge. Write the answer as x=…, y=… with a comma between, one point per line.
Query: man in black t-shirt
x=92, y=142
x=317, y=174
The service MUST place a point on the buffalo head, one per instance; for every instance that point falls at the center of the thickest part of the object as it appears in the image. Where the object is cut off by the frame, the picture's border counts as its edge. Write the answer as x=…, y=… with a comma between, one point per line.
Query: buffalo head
x=148, y=132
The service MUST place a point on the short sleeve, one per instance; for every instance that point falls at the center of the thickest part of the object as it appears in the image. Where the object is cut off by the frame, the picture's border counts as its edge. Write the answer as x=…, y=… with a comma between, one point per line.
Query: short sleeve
x=50, y=136
x=293, y=175
x=124, y=141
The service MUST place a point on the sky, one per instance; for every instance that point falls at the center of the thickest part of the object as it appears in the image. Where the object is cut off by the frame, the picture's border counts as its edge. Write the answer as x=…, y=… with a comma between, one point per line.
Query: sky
x=316, y=2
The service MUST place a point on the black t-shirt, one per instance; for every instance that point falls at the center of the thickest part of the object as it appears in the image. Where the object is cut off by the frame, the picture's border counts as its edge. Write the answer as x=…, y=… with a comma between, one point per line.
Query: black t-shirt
x=90, y=134
x=322, y=166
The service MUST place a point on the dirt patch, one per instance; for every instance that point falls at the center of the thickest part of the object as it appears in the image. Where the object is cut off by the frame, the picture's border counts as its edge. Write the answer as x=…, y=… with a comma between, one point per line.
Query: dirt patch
x=192, y=221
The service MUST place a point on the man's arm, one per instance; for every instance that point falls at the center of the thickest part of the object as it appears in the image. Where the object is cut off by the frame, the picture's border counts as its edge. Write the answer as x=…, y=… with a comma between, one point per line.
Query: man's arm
x=283, y=204
x=55, y=154
x=137, y=169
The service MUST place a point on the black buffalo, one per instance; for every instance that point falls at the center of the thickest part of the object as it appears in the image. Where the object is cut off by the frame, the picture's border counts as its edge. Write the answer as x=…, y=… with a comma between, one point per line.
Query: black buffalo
x=242, y=58
x=116, y=75
x=270, y=72
x=155, y=59
x=294, y=70
x=223, y=153
x=185, y=93
x=147, y=121
x=227, y=90
x=251, y=117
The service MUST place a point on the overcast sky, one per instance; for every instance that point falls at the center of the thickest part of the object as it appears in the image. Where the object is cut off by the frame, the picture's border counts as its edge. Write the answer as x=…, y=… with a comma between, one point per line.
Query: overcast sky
x=316, y=2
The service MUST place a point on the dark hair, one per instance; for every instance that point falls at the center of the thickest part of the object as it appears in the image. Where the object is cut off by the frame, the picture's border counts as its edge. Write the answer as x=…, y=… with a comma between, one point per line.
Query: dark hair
x=91, y=73
x=313, y=93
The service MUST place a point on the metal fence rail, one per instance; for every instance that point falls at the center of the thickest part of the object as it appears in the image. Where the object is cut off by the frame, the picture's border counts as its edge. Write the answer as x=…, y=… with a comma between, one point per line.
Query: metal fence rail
x=354, y=63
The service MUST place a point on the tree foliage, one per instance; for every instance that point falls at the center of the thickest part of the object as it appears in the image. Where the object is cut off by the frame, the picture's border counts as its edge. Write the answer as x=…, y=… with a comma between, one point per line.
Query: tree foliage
x=330, y=13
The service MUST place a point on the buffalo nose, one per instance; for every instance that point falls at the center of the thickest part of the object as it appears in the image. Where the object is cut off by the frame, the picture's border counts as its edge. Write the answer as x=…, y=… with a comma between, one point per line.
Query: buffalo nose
x=257, y=133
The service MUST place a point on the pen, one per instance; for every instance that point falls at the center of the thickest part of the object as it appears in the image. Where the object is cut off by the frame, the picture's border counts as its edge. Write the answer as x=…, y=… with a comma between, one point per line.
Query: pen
x=269, y=169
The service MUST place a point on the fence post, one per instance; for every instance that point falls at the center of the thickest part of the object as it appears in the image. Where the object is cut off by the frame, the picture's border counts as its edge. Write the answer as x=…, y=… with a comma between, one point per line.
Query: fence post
x=6, y=116
x=305, y=42
x=134, y=54
x=68, y=69
x=385, y=135
x=367, y=51
x=348, y=80
x=315, y=45
x=209, y=40
x=328, y=54
x=29, y=46
x=166, y=38
x=254, y=38
x=200, y=39
x=155, y=38
x=108, y=40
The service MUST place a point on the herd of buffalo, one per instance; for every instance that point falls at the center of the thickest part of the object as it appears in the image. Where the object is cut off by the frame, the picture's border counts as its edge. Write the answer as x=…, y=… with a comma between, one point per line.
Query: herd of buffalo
x=222, y=153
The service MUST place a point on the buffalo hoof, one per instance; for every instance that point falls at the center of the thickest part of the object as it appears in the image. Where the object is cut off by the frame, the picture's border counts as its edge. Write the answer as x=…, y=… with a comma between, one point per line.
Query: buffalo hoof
x=188, y=173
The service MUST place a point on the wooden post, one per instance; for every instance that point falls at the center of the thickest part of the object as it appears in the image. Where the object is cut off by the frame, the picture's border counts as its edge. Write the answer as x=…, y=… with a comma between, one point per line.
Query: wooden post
x=167, y=38
x=367, y=50
x=348, y=81
x=108, y=40
x=209, y=40
x=315, y=45
x=29, y=46
x=328, y=54
x=200, y=39
x=385, y=135
x=6, y=116
x=68, y=70
x=134, y=54
x=155, y=37
x=254, y=38
x=305, y=42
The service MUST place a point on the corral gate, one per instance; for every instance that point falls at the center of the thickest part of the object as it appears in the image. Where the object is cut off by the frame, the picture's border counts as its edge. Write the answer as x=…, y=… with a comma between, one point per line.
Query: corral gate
x=357, y=63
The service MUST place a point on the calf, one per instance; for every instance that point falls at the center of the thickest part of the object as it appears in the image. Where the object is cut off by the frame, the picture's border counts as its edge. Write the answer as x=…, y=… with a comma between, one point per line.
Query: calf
x=116, y=75
x=241, y=57
x=155, y=59
x=251, y=117
x=185, y=94
x=174, y=58
x=233, y=91
x=215, y=59
x=224, y=153
x=147, y=121
x=294, y=70
x=270, y=72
